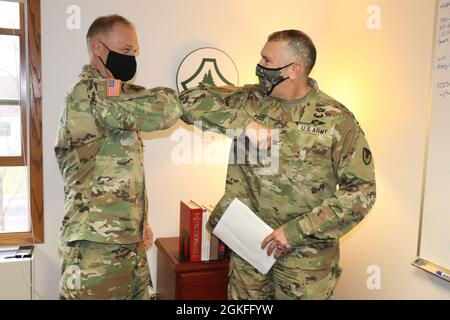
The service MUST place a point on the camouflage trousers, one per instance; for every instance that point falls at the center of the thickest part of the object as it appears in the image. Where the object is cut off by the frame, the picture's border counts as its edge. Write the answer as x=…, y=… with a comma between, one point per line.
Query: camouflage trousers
x=98, y=271
x=285, y=281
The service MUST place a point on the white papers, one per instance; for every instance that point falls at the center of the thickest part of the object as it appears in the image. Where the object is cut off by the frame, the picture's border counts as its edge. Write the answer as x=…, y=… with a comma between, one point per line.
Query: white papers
x=243, y=231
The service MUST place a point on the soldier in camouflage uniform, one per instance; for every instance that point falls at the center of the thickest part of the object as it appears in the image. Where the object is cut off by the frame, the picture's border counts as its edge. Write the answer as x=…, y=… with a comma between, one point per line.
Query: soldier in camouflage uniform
x=100, y=155
x=323, y=183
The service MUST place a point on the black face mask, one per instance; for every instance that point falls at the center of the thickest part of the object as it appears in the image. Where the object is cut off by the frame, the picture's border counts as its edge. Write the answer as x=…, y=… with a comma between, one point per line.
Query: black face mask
x=122, y=66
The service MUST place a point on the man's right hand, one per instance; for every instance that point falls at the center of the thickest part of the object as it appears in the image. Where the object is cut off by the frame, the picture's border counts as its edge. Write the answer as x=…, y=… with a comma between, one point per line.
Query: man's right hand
x=259, y=136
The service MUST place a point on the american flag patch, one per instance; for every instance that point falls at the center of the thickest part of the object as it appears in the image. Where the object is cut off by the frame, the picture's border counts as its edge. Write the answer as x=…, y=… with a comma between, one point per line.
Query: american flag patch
x=113, y=88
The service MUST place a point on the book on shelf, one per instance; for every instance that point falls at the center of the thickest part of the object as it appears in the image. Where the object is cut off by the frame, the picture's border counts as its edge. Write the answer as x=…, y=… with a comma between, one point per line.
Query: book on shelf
x=190, y=231
x=196, y=242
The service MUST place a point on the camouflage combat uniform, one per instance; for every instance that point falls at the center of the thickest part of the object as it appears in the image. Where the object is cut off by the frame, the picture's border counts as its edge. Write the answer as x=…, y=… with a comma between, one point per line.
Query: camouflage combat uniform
x=320, y=146
x=100, y=155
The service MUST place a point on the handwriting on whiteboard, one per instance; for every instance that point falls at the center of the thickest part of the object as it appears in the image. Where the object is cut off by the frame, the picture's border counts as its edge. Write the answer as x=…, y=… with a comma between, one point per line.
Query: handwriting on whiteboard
x=442, y=64
x=445, y=5
x=444, y=88
x=444, y=30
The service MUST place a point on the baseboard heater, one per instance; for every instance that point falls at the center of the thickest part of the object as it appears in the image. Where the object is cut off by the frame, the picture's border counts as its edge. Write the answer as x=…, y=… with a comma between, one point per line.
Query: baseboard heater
x=16, y=275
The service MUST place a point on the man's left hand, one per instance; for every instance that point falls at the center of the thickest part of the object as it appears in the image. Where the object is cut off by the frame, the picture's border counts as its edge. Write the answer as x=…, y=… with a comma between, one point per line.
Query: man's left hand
x=276, y=241
x=148, y=235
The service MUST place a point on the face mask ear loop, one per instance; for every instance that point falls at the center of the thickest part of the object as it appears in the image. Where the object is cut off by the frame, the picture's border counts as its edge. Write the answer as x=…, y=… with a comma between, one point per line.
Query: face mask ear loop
x=275, y=69
x=102, y=61
x=108, y=51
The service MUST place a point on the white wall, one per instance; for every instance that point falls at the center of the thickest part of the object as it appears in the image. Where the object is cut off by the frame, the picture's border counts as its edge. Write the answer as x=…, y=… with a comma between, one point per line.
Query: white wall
x=382, y=76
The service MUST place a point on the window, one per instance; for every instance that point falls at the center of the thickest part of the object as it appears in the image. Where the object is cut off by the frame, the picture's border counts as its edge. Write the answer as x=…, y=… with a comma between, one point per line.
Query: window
x=21, y=196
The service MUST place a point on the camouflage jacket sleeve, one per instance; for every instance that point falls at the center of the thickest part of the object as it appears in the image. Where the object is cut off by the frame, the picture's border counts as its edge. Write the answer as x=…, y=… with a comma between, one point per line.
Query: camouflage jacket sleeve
x=135, y=108
x=215, y=108
x=353, y=164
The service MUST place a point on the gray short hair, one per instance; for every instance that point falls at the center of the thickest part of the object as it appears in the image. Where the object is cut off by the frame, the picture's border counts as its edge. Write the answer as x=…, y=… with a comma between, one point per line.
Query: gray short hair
x=300, y=44
x=103, y=25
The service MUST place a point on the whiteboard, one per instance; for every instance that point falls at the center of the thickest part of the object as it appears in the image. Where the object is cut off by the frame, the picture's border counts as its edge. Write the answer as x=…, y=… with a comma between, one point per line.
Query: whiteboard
x=434, y=236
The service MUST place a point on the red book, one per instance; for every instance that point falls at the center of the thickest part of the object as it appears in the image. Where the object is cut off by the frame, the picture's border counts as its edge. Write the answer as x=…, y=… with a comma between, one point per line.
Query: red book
x=190, y=231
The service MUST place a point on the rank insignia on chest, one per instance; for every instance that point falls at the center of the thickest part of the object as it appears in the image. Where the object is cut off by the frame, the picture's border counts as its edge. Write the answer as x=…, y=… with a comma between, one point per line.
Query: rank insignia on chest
x=113, y=88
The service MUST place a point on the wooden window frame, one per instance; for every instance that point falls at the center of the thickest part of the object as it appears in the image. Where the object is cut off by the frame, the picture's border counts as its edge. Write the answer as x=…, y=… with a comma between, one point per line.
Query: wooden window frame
x=31, y=103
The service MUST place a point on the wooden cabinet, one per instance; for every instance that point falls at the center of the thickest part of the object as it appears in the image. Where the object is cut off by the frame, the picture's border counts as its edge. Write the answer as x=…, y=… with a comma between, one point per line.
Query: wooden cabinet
x=181, y=280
